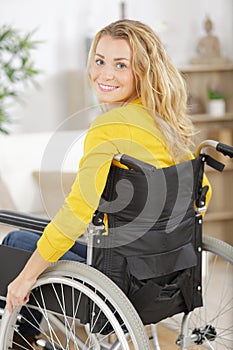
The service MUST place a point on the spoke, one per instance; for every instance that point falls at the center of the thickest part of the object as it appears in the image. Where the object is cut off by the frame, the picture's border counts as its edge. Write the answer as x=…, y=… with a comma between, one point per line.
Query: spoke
x=209, y=344
x=24, y=339
x=39, y=329
x=68, y=330
x=222, y=297
x=45, y=314
x=224, y=345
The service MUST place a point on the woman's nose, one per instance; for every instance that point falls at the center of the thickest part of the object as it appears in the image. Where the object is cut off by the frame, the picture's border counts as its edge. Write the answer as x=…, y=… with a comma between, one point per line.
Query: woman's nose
x=107, y=72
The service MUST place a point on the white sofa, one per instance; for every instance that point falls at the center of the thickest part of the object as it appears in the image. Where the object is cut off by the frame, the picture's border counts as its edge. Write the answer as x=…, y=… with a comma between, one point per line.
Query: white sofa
x=37, y=169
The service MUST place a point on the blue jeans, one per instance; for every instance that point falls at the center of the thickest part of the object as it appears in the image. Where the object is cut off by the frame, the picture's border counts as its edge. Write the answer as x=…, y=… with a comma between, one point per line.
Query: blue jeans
x=27, y=240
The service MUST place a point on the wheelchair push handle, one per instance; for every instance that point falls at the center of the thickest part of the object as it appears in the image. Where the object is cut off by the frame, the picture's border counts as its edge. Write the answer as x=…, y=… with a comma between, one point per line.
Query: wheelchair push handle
x=223, y=148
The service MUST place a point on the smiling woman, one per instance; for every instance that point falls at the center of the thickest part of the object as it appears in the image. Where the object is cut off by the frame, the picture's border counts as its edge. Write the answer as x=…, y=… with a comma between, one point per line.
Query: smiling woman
x=131, y=73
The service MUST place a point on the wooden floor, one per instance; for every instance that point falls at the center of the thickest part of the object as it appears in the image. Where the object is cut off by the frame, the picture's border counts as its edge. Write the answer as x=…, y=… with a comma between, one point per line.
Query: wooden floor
x=166, y=337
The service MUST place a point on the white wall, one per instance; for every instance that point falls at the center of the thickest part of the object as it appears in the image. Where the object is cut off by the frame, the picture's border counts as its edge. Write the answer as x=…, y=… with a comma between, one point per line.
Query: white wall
x=38, y=169
x=64, y=26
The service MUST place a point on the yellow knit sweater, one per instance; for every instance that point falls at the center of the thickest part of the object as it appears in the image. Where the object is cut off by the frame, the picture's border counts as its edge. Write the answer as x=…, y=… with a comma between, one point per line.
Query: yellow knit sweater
x=127, y=130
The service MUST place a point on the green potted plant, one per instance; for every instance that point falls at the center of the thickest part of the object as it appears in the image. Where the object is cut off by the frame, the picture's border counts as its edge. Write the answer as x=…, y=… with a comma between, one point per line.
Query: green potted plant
x=16, y=68
x=216, y=102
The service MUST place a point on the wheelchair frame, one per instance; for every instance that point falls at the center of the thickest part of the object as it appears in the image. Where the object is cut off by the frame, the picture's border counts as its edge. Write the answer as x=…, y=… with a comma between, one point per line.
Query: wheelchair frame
x=110, y=297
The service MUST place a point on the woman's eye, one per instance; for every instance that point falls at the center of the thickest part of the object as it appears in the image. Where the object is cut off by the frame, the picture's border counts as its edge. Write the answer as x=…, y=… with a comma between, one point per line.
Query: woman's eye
x=99, y=62
x=121, y=65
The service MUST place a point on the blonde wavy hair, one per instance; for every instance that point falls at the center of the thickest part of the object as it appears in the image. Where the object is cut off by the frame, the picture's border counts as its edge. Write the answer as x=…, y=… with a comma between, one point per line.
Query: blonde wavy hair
x=159, y=84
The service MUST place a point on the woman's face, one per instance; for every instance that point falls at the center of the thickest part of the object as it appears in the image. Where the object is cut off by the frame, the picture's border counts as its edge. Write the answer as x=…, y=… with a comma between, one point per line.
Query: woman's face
x=111, y=72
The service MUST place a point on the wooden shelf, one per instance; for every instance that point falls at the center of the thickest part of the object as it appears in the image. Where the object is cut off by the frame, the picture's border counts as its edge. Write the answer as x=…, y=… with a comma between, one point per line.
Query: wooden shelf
x=204, y=118
x=198, y=78
x=198, y=68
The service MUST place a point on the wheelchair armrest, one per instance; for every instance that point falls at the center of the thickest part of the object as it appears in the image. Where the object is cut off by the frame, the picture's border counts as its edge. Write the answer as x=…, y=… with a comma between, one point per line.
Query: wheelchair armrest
x=26, y=221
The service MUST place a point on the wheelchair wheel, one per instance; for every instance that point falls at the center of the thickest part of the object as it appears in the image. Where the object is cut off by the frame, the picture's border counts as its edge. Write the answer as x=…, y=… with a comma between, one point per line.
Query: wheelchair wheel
x=81, y=308
x=211, y=326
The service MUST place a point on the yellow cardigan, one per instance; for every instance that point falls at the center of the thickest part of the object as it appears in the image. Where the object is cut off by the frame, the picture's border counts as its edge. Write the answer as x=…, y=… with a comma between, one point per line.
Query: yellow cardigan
x=129, y=129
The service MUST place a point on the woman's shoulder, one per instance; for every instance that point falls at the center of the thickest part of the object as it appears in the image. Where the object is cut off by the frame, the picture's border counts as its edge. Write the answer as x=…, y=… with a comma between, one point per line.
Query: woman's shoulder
x=121, y=114
x=118, y=114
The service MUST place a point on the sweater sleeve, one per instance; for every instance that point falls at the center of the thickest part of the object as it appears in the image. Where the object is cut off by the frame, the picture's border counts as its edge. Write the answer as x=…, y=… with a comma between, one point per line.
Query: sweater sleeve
x=101, y=144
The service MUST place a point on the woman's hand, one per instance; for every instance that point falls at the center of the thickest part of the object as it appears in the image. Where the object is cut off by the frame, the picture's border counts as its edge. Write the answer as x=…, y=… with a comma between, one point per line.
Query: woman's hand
x=19, y=289
x=18, y=292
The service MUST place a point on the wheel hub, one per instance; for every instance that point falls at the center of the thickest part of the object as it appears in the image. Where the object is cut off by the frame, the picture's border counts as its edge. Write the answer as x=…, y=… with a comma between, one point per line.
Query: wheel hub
x=208, y=333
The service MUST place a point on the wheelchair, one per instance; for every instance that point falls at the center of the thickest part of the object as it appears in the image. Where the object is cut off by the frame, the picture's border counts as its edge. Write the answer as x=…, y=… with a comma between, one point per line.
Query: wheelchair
x=152, y=275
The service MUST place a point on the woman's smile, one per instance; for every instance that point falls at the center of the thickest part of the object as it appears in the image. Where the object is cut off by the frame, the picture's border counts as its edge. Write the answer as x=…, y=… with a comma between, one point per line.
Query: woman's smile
x=107, y=88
